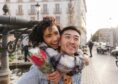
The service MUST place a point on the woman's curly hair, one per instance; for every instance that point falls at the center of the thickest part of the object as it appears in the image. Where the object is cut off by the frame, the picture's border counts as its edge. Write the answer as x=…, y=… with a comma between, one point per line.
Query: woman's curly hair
x=37, y=33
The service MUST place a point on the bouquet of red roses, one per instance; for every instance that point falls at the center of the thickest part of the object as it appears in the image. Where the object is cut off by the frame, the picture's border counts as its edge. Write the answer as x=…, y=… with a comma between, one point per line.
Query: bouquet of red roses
x=39, y=58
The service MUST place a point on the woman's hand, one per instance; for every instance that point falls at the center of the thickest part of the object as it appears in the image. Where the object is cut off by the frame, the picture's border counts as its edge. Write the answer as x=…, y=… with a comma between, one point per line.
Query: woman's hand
x=55, y=77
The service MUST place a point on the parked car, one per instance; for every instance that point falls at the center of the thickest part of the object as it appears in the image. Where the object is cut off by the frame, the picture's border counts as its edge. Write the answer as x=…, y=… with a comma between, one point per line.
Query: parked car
x=102, y=48
x=114, y=52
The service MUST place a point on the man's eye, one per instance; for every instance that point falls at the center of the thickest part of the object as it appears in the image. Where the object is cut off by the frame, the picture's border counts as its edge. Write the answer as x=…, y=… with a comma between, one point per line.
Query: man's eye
x=67, y=37
x=76, y=39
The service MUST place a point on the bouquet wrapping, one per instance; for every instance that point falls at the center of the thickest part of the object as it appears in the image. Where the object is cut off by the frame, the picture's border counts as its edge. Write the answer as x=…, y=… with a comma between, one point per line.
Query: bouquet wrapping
x=39, y=58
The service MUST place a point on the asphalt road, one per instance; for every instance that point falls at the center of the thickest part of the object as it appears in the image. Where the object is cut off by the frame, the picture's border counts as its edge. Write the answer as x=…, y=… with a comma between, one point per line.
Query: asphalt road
x=102, y=70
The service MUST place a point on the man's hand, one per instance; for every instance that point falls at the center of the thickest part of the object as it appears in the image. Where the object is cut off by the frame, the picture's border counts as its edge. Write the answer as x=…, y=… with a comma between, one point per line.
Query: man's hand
x=86, y=59
x=55, y=77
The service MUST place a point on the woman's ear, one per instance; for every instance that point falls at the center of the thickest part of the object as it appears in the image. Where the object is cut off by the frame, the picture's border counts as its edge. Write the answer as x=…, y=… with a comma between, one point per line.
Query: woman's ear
x=59, y=43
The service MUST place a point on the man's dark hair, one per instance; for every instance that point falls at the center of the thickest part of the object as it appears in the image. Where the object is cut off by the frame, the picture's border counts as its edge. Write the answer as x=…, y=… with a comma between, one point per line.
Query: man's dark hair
x=70, y=28
x=36, y=35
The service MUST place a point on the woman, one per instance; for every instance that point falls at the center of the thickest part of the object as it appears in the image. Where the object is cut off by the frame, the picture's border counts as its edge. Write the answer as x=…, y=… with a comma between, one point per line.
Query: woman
x=49, y=32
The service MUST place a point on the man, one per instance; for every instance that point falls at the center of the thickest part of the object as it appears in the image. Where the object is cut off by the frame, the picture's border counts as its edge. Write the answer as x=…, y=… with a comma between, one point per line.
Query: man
x=69, y=44
x=90, y=45
x=25, y=45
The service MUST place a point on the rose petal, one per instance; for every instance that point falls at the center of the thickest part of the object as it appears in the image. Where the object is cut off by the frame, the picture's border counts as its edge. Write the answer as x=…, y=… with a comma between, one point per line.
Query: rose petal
x=43, y=54
x=38, y=61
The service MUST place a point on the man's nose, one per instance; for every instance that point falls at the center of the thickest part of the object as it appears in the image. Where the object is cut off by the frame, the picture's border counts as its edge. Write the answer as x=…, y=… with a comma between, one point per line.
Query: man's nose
x=72, y=40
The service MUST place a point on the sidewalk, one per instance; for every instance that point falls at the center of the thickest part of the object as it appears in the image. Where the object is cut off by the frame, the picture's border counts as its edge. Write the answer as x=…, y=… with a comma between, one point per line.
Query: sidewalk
x=89, y=75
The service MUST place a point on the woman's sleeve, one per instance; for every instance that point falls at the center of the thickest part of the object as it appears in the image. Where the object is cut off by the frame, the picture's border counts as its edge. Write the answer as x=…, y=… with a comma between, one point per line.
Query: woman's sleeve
x=33, y=76
x=51, y=52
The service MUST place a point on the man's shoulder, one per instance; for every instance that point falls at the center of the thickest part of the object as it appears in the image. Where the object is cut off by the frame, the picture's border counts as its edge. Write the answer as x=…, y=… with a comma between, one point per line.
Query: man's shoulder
x=91, y=43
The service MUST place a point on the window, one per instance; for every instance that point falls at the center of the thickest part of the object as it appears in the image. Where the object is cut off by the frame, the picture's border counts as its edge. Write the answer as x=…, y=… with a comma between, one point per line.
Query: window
x=57, y=9
x=45, y=9
x=20, y=11
x=44, y=0
x=32, y=18
x=58, y=19
x=20, y=8
x=7, y=0
x=33, y=8
x=57, y=0
x=57, y=6
x=32, y=0
x=19, y=1
x=70, y=8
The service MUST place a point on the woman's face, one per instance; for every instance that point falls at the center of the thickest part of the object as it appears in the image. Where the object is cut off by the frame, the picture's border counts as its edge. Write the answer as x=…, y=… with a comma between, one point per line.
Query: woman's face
x=51, y=37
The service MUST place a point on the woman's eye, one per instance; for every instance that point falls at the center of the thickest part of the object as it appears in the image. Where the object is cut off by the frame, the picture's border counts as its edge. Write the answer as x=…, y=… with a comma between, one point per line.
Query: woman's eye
x=56, y=33
x=48, y=35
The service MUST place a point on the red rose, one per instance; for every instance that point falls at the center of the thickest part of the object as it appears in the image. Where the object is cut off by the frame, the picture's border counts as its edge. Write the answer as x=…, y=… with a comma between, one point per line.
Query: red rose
x=39, y=58
x=38, y=61
x=43, y=54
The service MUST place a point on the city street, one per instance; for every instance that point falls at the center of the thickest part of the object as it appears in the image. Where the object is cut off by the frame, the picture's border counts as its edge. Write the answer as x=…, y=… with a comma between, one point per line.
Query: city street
x=102, y=70
x=40, y=23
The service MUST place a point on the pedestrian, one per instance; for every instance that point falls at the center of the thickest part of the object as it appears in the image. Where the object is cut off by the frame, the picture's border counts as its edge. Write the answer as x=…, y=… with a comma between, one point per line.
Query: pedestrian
x=90, y=45
x=25, y=46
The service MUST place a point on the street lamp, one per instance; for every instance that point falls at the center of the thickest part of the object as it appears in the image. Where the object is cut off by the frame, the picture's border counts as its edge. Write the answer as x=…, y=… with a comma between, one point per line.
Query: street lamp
x=4, y=70
x=38, y=8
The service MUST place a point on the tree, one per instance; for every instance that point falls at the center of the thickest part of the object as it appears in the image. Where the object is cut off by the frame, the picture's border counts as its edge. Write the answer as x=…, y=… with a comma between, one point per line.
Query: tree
x=95, y=36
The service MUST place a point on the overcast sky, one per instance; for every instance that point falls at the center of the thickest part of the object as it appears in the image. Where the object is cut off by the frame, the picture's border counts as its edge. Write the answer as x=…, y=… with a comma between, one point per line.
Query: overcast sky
x=101, y=14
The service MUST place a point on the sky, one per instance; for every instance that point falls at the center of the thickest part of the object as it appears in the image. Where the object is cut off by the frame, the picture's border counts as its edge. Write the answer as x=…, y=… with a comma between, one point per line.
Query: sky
x=101, y=14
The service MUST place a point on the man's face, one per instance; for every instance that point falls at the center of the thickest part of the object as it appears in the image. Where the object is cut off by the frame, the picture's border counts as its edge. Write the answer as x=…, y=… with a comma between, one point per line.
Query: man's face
x=70, y=41
x=52, y=37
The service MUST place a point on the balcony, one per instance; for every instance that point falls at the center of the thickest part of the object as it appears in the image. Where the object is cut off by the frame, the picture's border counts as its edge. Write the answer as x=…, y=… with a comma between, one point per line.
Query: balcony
x=57, y=0
x=70, y=10
x=45, y=0
x=32, y=12
x=8, y=1
x=57, y=12
x=20, y=1
x=32, y=0
x=19, y=13
x=45, y=12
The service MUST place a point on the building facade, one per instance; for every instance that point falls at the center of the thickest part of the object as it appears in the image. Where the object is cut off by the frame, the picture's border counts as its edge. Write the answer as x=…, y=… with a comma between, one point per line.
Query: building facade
x=115, y=37
x=109, y=36
x=106, y=35
x=66, y=12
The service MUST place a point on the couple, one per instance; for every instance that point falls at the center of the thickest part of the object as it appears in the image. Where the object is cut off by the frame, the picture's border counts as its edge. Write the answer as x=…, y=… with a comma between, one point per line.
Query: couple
x=48, y=31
